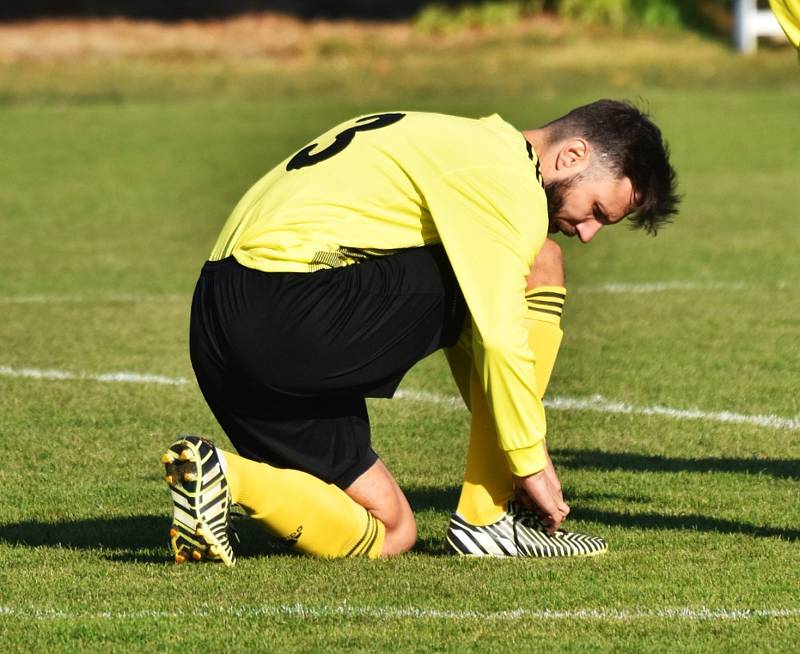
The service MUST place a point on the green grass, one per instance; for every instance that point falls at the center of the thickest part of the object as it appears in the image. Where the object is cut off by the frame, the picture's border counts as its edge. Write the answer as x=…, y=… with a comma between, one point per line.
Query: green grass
x=111, y=199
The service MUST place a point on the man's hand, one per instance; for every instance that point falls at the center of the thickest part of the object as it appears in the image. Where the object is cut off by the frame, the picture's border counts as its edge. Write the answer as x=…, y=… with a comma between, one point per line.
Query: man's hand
x=541, y=493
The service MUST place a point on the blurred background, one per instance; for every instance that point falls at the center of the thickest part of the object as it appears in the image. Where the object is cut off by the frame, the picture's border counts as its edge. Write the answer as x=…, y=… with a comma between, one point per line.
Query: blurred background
x=136, y=48
x=148, y=120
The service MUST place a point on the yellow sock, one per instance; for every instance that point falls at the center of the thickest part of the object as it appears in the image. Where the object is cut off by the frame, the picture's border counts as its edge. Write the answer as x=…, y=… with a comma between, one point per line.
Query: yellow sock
x=545, y=306
x=488, y=484
x=313, y=517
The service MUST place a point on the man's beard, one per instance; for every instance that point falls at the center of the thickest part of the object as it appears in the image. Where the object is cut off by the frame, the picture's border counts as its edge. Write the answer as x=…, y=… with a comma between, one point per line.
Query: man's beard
x=556, y=193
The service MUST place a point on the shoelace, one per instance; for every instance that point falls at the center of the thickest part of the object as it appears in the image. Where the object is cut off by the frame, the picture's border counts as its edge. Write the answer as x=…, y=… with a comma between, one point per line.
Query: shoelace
x=525, y=517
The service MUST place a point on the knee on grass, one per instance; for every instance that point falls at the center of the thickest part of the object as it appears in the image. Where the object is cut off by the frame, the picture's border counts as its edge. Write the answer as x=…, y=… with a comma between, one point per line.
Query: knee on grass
x=377, y=491
x=401, y=534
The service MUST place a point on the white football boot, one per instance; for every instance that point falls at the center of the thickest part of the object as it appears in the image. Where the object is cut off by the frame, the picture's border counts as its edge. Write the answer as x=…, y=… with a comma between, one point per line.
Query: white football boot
x=200, y=502
x=518, y=533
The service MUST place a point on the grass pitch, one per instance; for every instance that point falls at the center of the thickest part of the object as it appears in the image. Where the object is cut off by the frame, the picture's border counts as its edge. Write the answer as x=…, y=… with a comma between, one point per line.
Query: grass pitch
x=111, y=203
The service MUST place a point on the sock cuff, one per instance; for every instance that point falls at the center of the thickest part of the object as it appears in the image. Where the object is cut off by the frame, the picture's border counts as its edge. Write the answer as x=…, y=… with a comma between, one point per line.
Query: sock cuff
x=370, y=543
x=546, y=303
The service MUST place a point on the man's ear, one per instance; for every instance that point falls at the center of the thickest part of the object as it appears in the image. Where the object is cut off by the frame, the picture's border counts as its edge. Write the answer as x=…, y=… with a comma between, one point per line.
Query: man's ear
x=573, y=154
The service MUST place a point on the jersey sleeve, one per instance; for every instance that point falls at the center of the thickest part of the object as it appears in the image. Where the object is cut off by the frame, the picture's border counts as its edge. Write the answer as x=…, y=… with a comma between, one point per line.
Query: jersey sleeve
x=492, y=223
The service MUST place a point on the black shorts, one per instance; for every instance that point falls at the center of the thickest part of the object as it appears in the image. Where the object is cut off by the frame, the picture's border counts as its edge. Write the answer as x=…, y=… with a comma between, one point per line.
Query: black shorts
x=285, y=360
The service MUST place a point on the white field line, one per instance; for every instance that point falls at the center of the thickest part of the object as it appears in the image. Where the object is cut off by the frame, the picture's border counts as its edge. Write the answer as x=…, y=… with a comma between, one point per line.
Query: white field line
x=452, y=401
x=602, y=405
x=595, y=403
x=660, y=287
x=610, y=287
x=599, y=403
x=63, y=375
x=47, y=298
x=411, y=613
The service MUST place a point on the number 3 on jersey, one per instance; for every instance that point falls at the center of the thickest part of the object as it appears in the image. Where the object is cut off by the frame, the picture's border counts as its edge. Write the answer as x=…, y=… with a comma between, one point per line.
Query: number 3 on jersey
x=306, y=158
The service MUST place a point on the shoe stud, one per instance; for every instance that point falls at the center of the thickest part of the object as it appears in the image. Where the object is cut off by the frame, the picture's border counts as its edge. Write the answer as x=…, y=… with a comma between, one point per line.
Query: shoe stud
x=180, y=558
x=186, y=455
x=167, y=458
x=189, y=476
x=173, y=533
x=197, y=555
x=169, y=479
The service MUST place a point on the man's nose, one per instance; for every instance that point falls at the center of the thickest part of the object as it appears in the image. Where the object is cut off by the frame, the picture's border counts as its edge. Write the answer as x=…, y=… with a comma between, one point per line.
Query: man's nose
x=586, y=230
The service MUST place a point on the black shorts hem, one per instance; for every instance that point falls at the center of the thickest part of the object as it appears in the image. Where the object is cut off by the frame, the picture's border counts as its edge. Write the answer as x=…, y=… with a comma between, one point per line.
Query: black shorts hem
x=356, y=470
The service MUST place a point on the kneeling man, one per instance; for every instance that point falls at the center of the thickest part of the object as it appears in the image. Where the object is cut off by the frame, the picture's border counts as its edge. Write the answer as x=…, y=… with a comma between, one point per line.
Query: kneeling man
x=387, y=238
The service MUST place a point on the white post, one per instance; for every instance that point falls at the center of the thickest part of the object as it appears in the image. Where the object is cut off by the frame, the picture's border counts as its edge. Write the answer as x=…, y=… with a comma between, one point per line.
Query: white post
x=749, y=23
x=744, y=38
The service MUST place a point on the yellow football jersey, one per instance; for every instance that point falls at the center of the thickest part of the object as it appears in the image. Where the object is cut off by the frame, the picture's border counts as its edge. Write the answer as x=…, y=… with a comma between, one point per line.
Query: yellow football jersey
x=788, y=14
x=385, y=182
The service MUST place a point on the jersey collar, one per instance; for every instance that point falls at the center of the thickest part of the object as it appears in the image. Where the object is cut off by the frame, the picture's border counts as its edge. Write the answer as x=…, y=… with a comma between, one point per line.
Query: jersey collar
x=532, y=157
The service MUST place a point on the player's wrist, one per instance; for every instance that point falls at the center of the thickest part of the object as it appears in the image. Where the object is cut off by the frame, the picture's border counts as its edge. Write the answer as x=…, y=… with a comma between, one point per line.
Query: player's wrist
x=527, y=461
x=546, y=303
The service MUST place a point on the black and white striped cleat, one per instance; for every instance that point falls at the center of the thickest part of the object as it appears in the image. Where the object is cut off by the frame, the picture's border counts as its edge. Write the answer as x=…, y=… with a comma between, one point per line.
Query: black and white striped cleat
x=200, y=502
x=518, y=533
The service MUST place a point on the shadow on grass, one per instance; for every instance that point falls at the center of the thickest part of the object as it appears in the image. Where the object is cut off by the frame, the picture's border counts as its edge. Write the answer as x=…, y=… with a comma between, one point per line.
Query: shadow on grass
x=693, y=522
x=625, y=461
x=141, y=539
x=433, y=499
x=445, y=500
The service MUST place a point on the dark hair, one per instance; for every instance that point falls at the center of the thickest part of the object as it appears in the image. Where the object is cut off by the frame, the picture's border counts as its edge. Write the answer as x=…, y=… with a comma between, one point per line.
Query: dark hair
x=633, y=148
